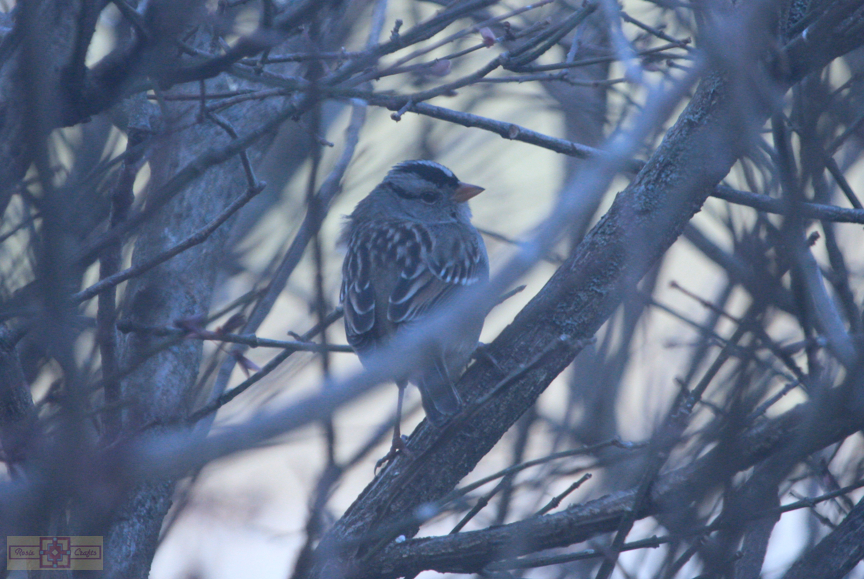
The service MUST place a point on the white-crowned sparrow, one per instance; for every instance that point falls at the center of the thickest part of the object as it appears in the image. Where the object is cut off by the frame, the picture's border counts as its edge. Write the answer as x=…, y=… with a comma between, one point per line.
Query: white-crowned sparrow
x=411, y=246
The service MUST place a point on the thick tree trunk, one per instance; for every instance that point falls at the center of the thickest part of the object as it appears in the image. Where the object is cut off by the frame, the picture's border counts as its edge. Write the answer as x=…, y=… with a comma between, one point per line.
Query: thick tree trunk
x=163, y=386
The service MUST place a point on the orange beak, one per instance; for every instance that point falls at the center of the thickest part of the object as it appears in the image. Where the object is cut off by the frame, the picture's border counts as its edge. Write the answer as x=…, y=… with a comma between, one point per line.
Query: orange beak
x=466, y=191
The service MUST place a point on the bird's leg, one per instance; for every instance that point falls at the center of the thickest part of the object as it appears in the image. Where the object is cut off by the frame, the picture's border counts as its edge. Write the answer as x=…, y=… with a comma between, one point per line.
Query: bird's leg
x=398, y=445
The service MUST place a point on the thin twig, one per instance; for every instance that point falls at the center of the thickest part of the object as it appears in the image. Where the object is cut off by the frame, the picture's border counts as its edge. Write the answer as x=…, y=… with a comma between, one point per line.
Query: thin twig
x=560, y=76
x=599, y=60
x=106, y=312
x=470, y=30
x=481, y=504
x=250, y=340
x=780, y=207
x=507, y=130
x=556, y=500
x=269, y=367
x=196, y=238
x=664, y=440
x=685, y=44
x=327, y=192
x=192, y=171
x=615, y=442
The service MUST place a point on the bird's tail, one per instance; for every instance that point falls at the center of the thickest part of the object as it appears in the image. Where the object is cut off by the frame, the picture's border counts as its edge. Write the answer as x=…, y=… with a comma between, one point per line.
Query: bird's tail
x=440, y=398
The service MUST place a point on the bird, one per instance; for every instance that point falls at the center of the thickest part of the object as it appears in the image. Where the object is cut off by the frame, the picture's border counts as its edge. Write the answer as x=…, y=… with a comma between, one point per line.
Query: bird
x=411, y=248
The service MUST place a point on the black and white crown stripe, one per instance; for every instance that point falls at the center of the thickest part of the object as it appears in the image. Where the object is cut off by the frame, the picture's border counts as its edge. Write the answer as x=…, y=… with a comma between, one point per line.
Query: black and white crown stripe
x=429, y=171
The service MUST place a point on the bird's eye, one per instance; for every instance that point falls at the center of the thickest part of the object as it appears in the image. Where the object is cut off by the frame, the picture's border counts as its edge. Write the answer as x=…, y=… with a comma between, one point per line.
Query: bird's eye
x=429, y=197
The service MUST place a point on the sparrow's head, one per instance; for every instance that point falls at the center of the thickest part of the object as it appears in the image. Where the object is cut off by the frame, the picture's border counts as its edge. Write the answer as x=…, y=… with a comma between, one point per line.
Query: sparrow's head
x=427, y=191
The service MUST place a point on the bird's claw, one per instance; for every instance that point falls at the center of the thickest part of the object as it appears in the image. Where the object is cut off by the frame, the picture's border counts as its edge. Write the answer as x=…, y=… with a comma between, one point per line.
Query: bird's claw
x=399, y=447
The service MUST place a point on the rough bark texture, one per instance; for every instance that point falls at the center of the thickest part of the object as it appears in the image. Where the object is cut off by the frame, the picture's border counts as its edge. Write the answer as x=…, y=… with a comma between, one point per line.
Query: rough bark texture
x=182, y=288
x=835, y=555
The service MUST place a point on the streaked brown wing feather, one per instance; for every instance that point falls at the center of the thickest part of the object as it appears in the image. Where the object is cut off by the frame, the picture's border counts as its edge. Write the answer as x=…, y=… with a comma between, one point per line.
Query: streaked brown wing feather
x=357, y=296
x=412, y=264
x=444, y=268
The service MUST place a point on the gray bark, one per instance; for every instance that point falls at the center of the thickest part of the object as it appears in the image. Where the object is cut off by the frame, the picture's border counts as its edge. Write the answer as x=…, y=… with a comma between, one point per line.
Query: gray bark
x=181, y=288
x=835, y=555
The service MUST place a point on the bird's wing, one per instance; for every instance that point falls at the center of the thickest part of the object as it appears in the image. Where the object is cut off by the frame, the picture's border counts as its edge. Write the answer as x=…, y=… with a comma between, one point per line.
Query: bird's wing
x=421, y=264
x=449, y=257
x=358, y=294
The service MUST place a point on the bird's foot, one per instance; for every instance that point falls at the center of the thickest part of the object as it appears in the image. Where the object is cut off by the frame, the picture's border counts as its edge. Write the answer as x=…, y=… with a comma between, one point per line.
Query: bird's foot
x=397, y=448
